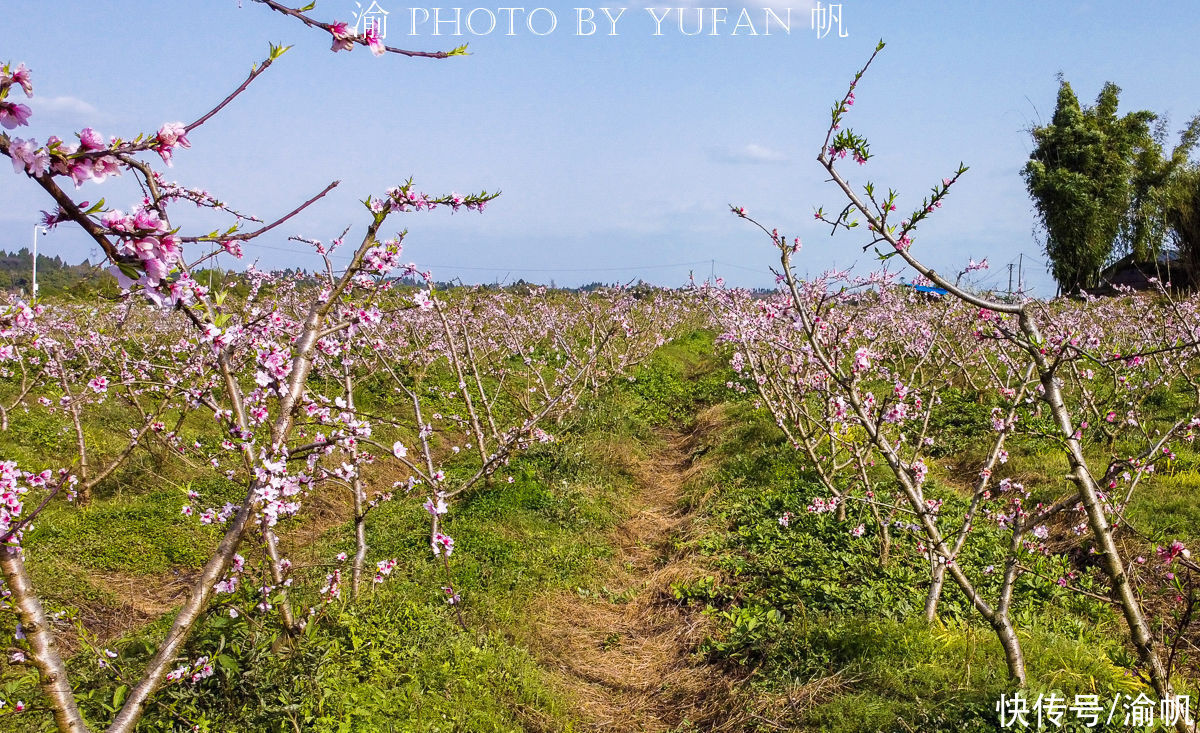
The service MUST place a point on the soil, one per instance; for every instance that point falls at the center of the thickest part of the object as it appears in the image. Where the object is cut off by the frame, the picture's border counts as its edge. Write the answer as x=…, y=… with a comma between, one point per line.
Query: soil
x=627, y=655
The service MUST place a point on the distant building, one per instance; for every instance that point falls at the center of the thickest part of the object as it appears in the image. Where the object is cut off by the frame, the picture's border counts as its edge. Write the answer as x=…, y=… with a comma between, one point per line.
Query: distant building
x=1128, y=273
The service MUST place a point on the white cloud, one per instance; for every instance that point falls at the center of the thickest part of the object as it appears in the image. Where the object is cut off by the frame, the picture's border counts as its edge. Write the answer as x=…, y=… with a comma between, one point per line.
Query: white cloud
x=68, y=109
x=750, y=153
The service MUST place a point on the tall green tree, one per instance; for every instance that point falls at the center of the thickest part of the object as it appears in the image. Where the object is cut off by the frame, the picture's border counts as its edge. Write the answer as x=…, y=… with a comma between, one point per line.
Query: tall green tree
x=1080, y=176
x=1155, y=190
x=1183, y=217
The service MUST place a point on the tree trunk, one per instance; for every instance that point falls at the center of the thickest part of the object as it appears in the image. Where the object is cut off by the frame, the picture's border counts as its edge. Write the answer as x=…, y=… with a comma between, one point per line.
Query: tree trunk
x=37, y=630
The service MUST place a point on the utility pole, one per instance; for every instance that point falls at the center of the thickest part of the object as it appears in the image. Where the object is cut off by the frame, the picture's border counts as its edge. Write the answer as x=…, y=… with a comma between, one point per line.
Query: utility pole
x=1010, y=268
x=1020, y=274
x=34, y=288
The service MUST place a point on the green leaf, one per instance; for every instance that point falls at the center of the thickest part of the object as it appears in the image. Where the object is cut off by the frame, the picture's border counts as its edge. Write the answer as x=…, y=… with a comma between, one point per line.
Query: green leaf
x=227, y=663
x=128, y=270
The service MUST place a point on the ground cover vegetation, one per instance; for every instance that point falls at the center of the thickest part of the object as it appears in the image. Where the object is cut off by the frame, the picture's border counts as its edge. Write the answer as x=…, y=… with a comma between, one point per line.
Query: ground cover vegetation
x=350, y=500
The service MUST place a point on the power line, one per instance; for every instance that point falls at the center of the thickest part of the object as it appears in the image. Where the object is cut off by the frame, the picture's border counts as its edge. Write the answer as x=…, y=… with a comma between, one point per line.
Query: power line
x=761, y=271
x=569, y=269
x=478, y=268
x=764, y=271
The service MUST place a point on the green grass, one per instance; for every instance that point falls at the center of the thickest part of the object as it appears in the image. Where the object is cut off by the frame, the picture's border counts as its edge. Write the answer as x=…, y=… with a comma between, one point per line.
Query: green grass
x=678, y=379
x=140, y=535
x=1168, y=508
x=390, y=663
x=807, y=607
x=810, y=605
x=396, y=660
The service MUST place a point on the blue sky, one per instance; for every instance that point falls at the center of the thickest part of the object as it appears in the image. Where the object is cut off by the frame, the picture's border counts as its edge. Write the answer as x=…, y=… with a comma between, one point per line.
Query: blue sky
x=617, y=155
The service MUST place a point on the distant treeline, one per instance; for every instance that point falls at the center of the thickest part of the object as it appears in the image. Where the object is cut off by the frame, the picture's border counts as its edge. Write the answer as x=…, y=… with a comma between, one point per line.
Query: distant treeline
x=56, y=277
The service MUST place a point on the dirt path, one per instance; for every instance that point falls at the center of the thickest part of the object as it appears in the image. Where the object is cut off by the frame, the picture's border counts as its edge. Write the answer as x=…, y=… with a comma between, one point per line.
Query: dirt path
x=626, y=655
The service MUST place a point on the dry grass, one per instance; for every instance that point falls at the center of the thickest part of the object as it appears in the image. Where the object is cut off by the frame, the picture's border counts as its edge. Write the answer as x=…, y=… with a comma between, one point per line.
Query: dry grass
x=130, y=602
x=626, y=657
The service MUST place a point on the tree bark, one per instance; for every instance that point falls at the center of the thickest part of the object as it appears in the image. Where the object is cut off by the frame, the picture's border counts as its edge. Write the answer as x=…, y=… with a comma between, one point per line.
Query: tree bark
x=40, y=636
